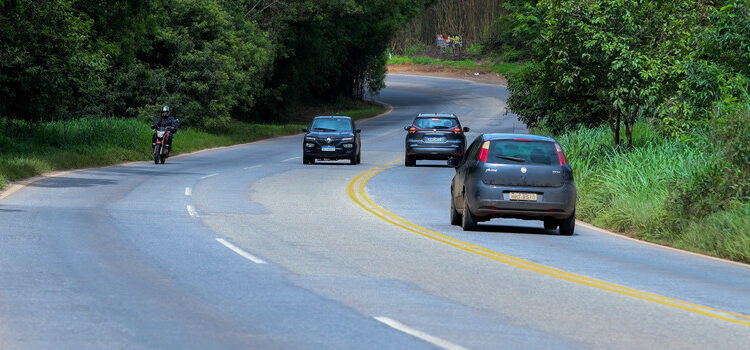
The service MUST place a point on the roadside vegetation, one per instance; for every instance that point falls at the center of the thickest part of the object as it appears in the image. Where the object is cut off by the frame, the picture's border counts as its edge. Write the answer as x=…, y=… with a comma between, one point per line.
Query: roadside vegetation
x=649, y=99
x=468, y=65
x=32, y=148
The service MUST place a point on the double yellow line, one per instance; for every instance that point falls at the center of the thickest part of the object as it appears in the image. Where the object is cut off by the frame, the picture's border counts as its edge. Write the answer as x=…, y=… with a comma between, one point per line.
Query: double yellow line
x=356, y=191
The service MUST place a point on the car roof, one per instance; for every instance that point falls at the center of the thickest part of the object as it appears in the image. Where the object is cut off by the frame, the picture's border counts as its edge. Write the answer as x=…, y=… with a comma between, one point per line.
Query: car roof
x=502, y=136
x=441, y=115
x=332, y=117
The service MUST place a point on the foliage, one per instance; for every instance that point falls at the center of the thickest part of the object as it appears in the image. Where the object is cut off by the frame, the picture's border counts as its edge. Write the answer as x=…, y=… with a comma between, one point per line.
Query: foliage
x=48, y=68
x=635, y=190
x=211, y=61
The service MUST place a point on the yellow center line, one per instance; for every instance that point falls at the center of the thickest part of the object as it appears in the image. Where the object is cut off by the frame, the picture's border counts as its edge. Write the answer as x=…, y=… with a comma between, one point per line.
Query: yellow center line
x=356, y=191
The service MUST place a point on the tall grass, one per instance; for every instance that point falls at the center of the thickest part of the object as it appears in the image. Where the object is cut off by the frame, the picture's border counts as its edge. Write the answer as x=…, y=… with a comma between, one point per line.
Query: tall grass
x=28, y=149
x=633, y=191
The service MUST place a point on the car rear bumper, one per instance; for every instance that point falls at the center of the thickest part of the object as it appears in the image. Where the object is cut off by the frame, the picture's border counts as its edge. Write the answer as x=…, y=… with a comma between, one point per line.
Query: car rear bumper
x=434, y=152
x=552, y=202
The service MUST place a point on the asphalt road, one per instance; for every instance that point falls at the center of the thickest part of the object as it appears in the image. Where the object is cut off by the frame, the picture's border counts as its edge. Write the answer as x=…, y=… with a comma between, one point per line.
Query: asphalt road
x=245, y=247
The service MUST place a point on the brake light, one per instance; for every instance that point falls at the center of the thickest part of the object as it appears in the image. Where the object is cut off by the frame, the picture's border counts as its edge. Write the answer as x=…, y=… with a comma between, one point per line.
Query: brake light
x=522, y=140
x=412, y=130
x=560, y=154
x=456, y=130
x=484, y=152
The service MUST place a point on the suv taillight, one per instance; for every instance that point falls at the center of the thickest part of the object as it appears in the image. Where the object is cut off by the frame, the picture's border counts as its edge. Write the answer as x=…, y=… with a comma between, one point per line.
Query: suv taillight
x=456, y=130
x=412, y=130
x=560, y=154
x=484, y=152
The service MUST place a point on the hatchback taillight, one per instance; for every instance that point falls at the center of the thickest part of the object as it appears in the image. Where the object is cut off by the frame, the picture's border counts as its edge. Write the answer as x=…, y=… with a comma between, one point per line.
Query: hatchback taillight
x=484, y=152
x=560, y=154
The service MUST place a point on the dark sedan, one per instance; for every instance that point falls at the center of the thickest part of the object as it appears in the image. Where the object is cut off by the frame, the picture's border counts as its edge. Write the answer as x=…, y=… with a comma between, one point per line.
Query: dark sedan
x=331, y=138
x=434, y=136
x=513, y=176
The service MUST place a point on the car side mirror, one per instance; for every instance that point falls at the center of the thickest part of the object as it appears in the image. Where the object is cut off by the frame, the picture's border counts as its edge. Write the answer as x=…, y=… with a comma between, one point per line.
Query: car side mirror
x=304, y=130
x=466, y=129
x=454, y=162
x=357, y=131
x=406, y=128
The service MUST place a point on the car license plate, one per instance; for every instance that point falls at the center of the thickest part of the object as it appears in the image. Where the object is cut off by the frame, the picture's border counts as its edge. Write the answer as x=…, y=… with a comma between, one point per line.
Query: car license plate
x=433, y=139
x=523, y=196
x=328, y=148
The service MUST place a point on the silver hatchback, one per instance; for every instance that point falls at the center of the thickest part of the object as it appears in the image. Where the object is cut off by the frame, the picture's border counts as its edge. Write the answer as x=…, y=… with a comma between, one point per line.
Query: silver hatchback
x=513, y=176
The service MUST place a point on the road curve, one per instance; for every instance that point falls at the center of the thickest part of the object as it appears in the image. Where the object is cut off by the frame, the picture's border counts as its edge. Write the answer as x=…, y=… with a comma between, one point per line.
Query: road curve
x=245, y=247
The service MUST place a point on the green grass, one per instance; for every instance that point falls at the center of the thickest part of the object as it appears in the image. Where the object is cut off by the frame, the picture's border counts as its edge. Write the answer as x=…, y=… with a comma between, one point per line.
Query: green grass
x=30, y=149
x=502, y=68
x=633, y=191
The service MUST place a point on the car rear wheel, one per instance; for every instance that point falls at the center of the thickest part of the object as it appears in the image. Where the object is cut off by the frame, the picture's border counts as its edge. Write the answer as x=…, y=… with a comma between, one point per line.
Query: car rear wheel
x=468, y=220
x=409, y=161
x=455, y=216
x=568, y=225
x=550, y=224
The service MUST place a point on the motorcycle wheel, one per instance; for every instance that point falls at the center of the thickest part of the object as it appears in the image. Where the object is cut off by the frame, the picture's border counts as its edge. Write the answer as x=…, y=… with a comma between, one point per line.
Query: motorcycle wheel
x=157, y=153
x=163, y=158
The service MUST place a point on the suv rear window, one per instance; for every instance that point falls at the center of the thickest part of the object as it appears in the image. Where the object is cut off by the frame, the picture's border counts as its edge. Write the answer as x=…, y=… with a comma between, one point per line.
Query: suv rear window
x=522, y=152
x=435, y=123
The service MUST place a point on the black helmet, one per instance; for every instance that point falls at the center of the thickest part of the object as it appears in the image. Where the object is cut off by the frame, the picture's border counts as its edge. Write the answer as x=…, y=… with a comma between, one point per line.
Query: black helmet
x=165, y=109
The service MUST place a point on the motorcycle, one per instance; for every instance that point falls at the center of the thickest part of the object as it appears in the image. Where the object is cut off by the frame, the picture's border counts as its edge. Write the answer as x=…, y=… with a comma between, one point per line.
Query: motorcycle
x=161, y=147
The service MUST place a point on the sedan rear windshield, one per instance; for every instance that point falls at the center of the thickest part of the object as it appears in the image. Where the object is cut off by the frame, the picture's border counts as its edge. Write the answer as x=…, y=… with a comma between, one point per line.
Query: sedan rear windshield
x=522, y=152
x=436, y=123
x=331, y=124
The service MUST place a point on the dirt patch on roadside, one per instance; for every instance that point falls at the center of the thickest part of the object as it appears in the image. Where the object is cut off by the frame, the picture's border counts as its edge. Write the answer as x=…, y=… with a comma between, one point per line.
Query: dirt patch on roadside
x=480, y=75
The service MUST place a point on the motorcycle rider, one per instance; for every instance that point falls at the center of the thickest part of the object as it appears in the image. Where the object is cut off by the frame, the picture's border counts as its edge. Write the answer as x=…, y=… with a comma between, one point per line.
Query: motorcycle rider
x=165, y=120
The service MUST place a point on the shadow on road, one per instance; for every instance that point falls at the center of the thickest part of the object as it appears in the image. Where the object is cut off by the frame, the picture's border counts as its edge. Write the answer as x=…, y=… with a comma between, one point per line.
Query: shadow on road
x=517, y=230
x=63, y=182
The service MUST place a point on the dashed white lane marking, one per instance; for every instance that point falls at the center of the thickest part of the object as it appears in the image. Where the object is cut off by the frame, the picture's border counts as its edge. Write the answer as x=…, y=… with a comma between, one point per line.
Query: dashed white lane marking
x=188, y=191
x=207, y=176
x=252, y=167
x=387, y=133
x=419, y=334
x=290, y=159
x=241, y=252
x=191, y=211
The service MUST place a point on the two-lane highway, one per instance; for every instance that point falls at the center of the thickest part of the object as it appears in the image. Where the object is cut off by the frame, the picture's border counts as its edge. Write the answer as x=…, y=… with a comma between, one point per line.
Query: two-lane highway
x=246, y=247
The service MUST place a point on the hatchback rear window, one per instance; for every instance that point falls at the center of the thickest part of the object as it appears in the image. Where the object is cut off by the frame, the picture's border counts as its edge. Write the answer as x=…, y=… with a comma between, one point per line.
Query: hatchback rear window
x=435, y=123
x=522, y=152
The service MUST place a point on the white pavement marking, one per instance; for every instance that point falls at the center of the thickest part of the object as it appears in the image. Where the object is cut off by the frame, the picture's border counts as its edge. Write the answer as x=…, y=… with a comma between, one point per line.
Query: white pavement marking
x=387, y=133
x=252, y=167
x=293, y=158
x=188, y=191
x=419, y=334
x=241, y=252
x=191, y=211
x=207, y=176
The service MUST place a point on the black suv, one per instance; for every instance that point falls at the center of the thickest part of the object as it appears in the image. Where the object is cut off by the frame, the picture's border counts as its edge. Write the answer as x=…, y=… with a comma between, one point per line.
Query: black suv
x=331, y=138
x=434, y=136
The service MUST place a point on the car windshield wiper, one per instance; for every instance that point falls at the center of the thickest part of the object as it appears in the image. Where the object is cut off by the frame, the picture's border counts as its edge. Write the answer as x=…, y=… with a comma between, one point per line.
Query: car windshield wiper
x=515, y=159
x=325, y=129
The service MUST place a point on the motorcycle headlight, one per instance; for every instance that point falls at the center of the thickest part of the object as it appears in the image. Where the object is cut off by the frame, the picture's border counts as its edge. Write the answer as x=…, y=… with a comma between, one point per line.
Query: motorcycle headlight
x=160, y=133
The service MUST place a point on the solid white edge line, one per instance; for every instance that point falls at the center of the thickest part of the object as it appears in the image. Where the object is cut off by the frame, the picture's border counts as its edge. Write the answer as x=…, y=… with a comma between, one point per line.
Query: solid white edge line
x=293, y=158
x=188, y=191
x=207, y=176
x=419, y=334
x=241, y=252
x=252, y=167
x=191, y=211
